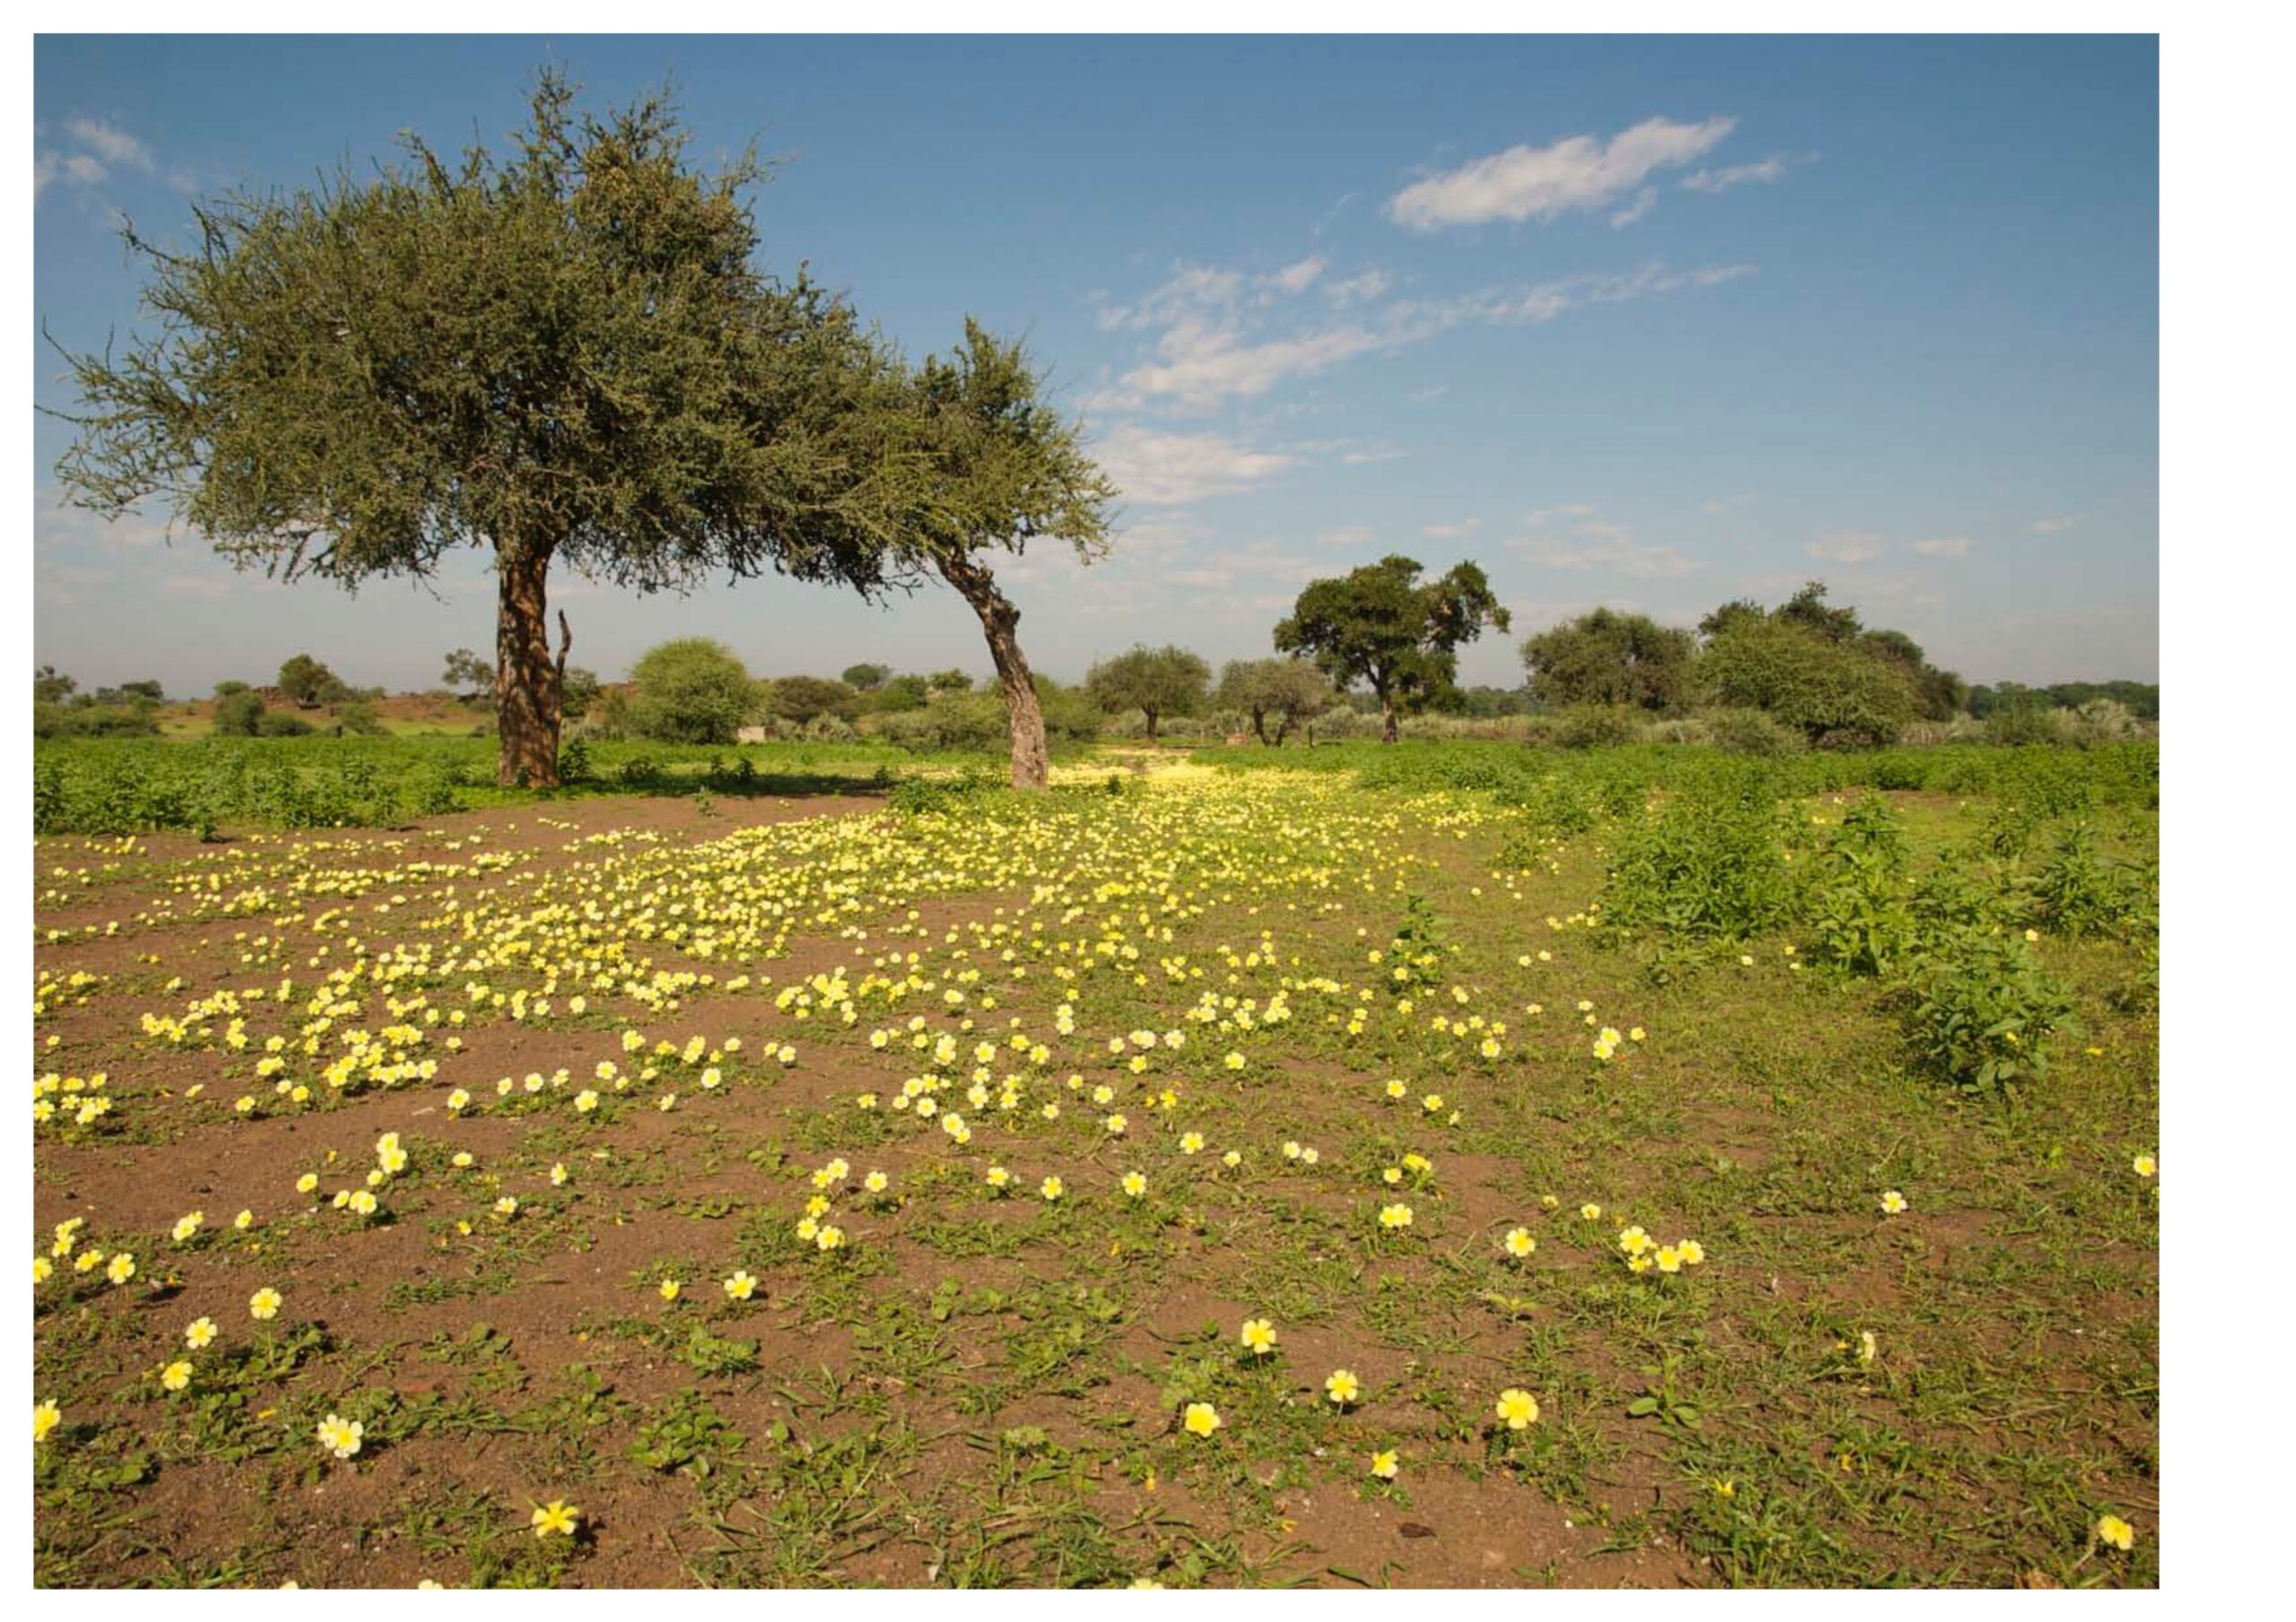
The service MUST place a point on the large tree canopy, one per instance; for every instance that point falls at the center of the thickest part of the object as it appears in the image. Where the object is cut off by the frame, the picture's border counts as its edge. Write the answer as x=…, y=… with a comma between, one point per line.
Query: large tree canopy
x=1157, y=682
x=565, y=355
x=1379, y=625
x=1003, y=468
x=1291, y=691
x=1605, y=657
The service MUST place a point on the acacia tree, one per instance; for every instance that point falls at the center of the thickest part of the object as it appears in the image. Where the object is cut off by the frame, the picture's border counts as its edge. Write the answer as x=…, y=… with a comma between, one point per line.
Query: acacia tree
x=566, y=355
x=1157, y=682
x=1004, y=469
x=1292, y=690
x=1380, y=626
x=1610, y=658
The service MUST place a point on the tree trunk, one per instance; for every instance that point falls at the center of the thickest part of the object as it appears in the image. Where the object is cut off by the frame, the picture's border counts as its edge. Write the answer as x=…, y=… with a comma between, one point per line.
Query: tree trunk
x=1386, y=719
x=527, y=685
x=1259, y=724
x=1151, y=722
x=1032, y=764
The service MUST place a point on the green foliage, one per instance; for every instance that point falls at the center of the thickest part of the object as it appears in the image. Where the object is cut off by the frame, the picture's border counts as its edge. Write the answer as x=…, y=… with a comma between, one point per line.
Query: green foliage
x=1379, y=624
x=801, y=698
x=238, y=714
x=1705, y=864
x=1290, y=692
x=1830, y=692
x=309, y=683
x=1594, y=727
x=945, y=796
x=279, y=724
x=359, y=719
x=1610, y=659
x=866, y=678
x=1860, y=913
x=690, y=691
x=1752, y=731
x=2078, y=891
x=1156, y=681
x=1415, y=955
x=1980, y=1010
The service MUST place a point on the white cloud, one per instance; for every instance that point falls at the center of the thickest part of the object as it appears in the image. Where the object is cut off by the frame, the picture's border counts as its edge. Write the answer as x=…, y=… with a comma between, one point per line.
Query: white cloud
x=1422, y=396
x=1361, y=288
x=1851, y=546
x=1208, y=353
x=1450, y=532
x=1542, y=182
x=1347, y=535
x=1594, y=544
x=1723, y=504
x=1949, y=546
x=1770, y=168
x=1644, y=202
x=112, y=145
x=1297, y=278
x=2053, y=526
x=1166, y=469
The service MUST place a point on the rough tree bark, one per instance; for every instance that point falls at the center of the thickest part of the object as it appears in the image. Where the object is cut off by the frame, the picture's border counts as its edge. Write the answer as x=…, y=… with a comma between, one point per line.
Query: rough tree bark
x=1386, y=716
x=527, y=702
x=1032, y=764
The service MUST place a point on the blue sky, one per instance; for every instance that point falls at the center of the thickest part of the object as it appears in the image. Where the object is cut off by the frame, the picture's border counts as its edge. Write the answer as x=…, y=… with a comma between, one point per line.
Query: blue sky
x=1648, y=322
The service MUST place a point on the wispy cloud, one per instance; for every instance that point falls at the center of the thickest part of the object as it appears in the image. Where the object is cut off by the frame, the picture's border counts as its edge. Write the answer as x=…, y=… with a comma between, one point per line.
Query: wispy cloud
x=1300, y=277
x=101, y=148
x=1211, y=350
x=1723, y=504
x=1948, y=546
x=110, y=143
x=1579, y=172
x=1644, y=202
x=1347, y=535
x=1850, y=546
x=1166, y=469
x=1361, y=288
x=1450, y=532
x=1572, y=538
x=1770, y=168
x=2053, y=526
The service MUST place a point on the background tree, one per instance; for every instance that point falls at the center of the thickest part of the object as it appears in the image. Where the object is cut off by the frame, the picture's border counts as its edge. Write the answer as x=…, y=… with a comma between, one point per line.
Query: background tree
x=947, y=682
x=1610, y=659
x=1290, y=691
x=1380, y=626
x=899, y=693
x=52, y=686
x=578, y=693
x=308, y=683
x=567, y=356
x=1006, y=469
x=866, y=678
x=691, y=691
x=1834, y=692
x=1157, y=682
x=799, y=700
x=471, y=677
x=239, y=713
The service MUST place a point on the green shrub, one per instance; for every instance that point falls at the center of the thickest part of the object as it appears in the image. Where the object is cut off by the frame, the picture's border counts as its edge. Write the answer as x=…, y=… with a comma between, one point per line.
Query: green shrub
x=279, y=724
x=1860, y=918
x=1594, y=727
x=2078, y=891
x=238, y=713
x=1752, y=731
x=359, y=719
x=1709, y=864
x=1833, y=693
x=1981, y=1010
x=690, y=691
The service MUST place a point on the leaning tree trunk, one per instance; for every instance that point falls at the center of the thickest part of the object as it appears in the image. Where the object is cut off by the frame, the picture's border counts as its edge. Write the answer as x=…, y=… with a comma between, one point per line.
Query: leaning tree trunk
x=528, y=682
x=1388, y=719
x=1032, y=765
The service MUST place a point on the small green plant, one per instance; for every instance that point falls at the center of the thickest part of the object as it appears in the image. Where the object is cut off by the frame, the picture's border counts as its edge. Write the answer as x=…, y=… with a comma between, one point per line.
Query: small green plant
x=1859, y=917
x=2078, y=892
x=1414, y=956
x=1981, y=1009
x=1709, y=863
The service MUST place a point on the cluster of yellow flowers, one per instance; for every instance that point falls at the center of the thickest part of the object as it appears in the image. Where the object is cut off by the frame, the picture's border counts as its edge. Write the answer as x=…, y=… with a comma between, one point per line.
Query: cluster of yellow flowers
x=1643, y=1253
